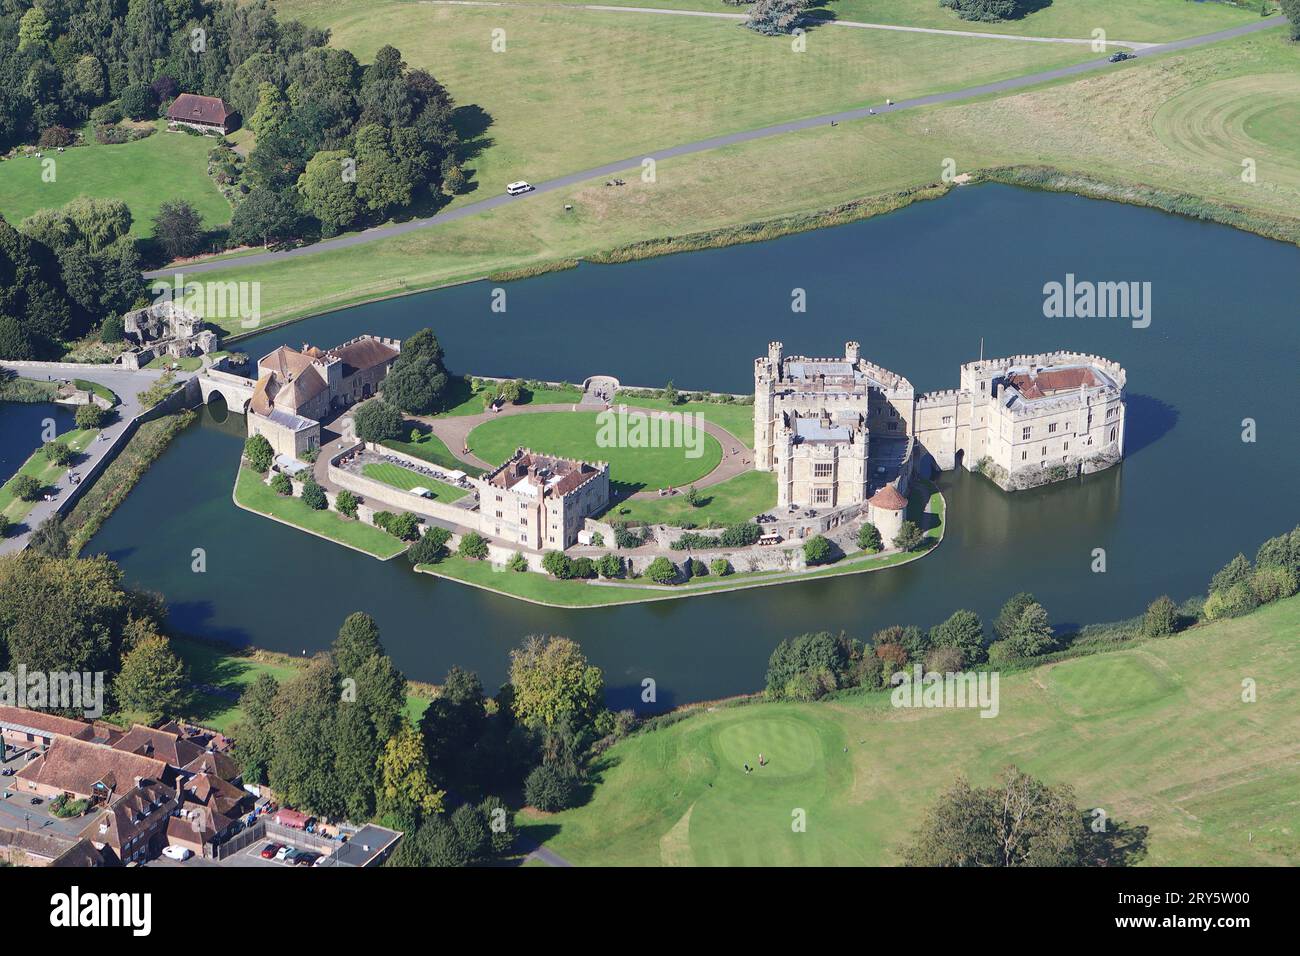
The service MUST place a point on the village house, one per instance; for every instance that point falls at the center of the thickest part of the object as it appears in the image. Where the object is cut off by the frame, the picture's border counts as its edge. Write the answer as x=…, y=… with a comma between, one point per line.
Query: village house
x=208, y=114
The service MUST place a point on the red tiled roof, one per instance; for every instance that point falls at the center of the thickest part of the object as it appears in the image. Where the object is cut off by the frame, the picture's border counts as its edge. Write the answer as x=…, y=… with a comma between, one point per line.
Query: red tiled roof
x=76, y=766
x=889, y=499
x=1053, y=380
x=49, y=723
x=159, y=744
x=192, y=108
x=364, y=354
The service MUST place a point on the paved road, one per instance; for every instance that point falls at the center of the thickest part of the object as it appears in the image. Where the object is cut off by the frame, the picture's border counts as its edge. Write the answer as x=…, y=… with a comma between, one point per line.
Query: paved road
x=813, y=21
x=126, y=384
x=699, y=146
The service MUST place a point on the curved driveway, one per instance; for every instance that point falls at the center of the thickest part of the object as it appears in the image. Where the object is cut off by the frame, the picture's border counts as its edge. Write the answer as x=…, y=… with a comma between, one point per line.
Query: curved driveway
x=699, y=146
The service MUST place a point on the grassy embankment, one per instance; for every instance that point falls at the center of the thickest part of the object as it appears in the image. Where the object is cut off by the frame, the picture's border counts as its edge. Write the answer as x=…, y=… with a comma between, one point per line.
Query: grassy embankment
x=222, y=673
x=1155, y=732
x=926, y=507
x=252, y=494
x=43, y=470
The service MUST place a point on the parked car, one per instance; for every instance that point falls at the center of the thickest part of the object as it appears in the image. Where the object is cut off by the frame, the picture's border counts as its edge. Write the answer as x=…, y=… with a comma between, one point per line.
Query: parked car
x=519, y=188
x=7, y=772
x=270, y=850
x=284, y=852
x=306, y=859
x=177, y=853
x=36, y=801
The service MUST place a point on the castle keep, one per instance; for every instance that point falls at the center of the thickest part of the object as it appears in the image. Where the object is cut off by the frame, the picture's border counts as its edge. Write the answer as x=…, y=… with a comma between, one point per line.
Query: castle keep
x=839, y=431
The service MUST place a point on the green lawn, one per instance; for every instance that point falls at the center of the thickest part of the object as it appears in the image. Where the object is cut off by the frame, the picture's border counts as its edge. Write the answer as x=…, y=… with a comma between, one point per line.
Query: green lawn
x=46, y=472
x=143, y=174
x=576, y=88
x=252, y=494
x=223, y=674
x=1156, y=734
x=1145, y=20
x=736, y=499
x=574, y=435
x=405, y=479
x=737, y=419
x=432, y=449
x=469, y=401
x=103, y=391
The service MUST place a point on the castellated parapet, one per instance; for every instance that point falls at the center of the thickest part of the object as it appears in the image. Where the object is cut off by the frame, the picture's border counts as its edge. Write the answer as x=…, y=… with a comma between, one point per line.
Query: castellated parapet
x=827, y=426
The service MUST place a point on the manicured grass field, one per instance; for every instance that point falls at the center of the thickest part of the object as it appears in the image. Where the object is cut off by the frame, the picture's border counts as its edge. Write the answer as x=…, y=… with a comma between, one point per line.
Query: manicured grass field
x=43, y=470
x=1145, y=20
x=406, y=479
x=737, y=419
x=251, y=493
x=433, y=450
x=1156, y=733
x=575, y=88
x=143, y=174
x=736, y=499
x=574, y=435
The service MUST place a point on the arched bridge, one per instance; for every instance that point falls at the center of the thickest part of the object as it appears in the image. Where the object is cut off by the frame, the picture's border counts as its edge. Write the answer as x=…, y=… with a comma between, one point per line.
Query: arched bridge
x=235, y=389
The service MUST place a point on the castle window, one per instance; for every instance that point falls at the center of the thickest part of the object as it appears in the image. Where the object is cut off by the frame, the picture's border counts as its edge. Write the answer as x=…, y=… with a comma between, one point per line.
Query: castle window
x=947, y=420
x=1024, y=455
x=499, y=515
x=1113, y=432
x=822, y=469
x=893, y=426
x=821, y=495
x=1051, y=428
x=1067, y=447
x=1044, y=451
x=1024, y=434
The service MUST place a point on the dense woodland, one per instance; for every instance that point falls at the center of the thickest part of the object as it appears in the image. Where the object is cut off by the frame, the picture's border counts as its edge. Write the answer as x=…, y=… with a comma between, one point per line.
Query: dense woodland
x=336, y=144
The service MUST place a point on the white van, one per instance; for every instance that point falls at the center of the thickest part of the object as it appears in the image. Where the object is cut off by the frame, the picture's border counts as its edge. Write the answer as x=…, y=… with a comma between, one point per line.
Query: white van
x=519, y=188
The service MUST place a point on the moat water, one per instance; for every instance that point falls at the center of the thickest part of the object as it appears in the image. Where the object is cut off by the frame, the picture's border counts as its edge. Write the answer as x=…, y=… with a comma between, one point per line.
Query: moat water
x=919, y=289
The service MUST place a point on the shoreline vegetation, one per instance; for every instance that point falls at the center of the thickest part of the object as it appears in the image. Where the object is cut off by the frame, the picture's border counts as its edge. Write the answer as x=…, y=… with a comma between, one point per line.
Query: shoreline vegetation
x=1044, y=178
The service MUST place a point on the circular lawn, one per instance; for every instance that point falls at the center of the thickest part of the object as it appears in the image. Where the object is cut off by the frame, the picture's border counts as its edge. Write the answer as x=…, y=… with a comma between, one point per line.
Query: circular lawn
x=575, y=435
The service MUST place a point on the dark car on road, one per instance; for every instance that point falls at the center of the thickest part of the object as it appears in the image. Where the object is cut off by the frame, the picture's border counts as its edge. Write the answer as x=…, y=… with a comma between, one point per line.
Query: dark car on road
x=1120, y=56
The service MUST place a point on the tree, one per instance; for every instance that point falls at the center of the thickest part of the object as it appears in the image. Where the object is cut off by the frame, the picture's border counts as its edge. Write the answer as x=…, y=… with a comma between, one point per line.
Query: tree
x=473, y=545
x=550, y=788
x=661, y=571
x=90, y=415
x=178, y=228
x=259, y=453
x=57, y=452
x=1020, y=822
x=1005, y=623
x=1161, y=617
x=418, y=381
x=517, y=562
x=500, y=821
x=557, y=565
x=869, y=538
x=313, y=495
x=821, y=654
x=282, y=484
x=50, y=539
x=271, y=112
x=551, y=678
x=453, y=724
x=305, y=736
x=34, y=31
x=1236, y=571
x=1292, y=10
x=377, y=421
x=328, y=188
x=405, y=790
x=693, y=496
x=720, y=567
x=1032, y=634
x=61, y=614
x=112, y=330
x=670, y=393
x=963, y=631
x=775, y=17
x=610, y=566
x=254, y=740
x=346, y=503
x=26, y=488
x=264, y=216
x=816, y=550
x=431, y=548
x=990, y=11
x=909, y=537
x=153, y=680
